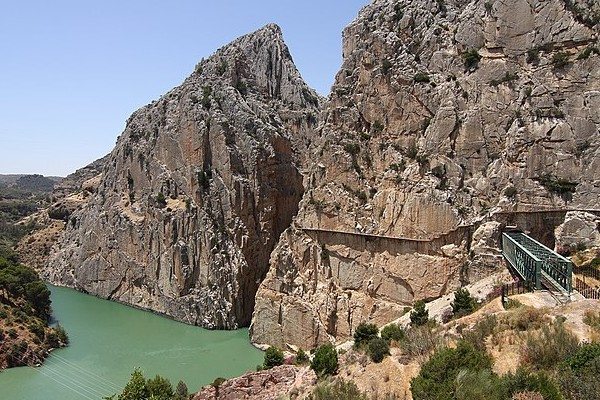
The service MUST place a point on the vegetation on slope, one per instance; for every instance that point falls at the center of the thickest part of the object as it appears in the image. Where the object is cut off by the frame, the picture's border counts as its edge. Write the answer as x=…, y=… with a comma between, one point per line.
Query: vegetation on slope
x=25, y=337
x=140, y=388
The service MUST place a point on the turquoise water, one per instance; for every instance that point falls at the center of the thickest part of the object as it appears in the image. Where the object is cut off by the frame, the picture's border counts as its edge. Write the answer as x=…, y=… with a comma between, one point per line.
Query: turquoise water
x=109, y=340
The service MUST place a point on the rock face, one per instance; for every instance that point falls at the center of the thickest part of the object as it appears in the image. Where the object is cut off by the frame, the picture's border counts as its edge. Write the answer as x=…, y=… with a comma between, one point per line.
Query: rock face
x=447, y=120
x=269, y=384
x=580, y=229
x=198, y=189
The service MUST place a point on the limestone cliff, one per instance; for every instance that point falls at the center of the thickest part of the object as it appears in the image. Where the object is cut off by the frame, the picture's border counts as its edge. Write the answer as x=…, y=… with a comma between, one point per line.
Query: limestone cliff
x=447, y=120
x=198, y=189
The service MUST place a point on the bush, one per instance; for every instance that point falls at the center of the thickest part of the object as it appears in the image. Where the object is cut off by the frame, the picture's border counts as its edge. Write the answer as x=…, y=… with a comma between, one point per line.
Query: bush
x=136, y=388
x=463, y=303
x=421, y=340
x=273, y=358
x=553, y=345
x=478, y=385
x=419, y=316
x=533, y=56
x=160, y=200
x=392, y=332
x=352, y=148
x=523, y=380
x=557, y=185
x=481, y=331
x=301, y=357
x=438, y=376
x=364, y=333
x=560, y=59
x=510, y=192
x=378, y=349
x=159, y=388
x=338, y=390
x=386, y=66
x=325, y=360
x=588, y=355
x=471, y=58
x=578, y=376
x=421, y=77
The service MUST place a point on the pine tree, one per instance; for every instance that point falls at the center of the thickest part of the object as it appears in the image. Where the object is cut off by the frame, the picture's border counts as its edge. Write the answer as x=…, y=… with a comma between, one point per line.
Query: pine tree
x=419, y=316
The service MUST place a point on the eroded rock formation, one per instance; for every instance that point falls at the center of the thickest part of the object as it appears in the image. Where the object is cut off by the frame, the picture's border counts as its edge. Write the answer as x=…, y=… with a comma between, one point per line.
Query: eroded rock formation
x=446, y=120
x=199, y=187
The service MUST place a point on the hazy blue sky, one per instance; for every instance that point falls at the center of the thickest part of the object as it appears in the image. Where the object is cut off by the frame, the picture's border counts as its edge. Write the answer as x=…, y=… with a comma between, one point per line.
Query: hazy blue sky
x=72, y=71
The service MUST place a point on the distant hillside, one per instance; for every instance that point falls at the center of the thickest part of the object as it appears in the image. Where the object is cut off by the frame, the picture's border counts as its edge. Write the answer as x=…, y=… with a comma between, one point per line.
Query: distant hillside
x=21, y=196
x=11, y=179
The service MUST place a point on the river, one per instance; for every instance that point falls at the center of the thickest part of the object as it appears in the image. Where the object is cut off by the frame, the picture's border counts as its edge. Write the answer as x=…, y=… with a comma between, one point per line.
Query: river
x=109, y=340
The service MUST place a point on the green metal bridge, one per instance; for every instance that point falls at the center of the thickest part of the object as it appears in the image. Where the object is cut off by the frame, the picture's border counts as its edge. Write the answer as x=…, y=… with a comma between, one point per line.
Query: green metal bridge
x=536, y=263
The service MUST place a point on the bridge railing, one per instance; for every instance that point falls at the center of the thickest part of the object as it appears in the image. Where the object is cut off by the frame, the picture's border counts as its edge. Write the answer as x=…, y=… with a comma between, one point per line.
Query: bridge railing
x=535, y=261
x=555, y=266
x=522, y=260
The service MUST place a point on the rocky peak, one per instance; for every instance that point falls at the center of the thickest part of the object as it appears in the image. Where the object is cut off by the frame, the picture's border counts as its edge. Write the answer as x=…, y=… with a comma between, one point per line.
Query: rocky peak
x=198, y=189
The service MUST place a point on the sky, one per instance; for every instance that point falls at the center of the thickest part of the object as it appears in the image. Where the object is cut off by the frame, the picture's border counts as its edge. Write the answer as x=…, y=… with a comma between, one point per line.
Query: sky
x=72, y=71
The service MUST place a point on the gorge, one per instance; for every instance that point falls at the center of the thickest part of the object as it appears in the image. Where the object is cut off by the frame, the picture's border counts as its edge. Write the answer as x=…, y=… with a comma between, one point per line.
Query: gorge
x=242, y=198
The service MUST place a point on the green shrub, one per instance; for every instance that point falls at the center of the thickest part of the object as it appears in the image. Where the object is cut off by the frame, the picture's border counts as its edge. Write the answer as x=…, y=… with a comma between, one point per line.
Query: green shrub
x=478, y=385
x=377, y=126
x=136, y=388
x=557, y=185
x=325, y=360
x=352, y=148
x=554, y=344
x=181, y=391
x=419, y=315
x=510, y=191
x=588, y=355
x=206, y=92
x=438, y=376
x=338, y=390
x=533, y=56
x=578, y=375
x=471, y=58
x=392, y=332
x=386, y=66
x=421, y=77
x=412, y=151
x=159, y=388
x=301, y=357
x=523, y=380
x=378, y=349
x=560, y=59
x=160, y=200
x=463, y=303
x=364, y=333
x=273, y=357
x=480, y=332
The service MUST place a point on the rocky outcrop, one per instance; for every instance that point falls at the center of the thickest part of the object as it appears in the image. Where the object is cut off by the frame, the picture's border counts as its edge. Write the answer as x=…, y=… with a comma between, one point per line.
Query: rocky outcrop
x=269, y=384
x=444, y=115
x=580, y=229
x=70, y=194
x=197, y=190
x=85, y=178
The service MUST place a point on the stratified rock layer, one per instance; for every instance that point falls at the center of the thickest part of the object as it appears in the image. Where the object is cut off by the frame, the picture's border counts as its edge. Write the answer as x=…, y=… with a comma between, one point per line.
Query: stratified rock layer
x=198, y=189
x=447, y=120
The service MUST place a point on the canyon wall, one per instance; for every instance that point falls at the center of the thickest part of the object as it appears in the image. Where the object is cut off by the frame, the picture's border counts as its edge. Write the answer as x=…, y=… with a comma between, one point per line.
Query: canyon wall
x=197, y=190
x=446, y=116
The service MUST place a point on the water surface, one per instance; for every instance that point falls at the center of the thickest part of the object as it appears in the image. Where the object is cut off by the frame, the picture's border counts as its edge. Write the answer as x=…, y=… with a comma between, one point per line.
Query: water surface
x=109, y=340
